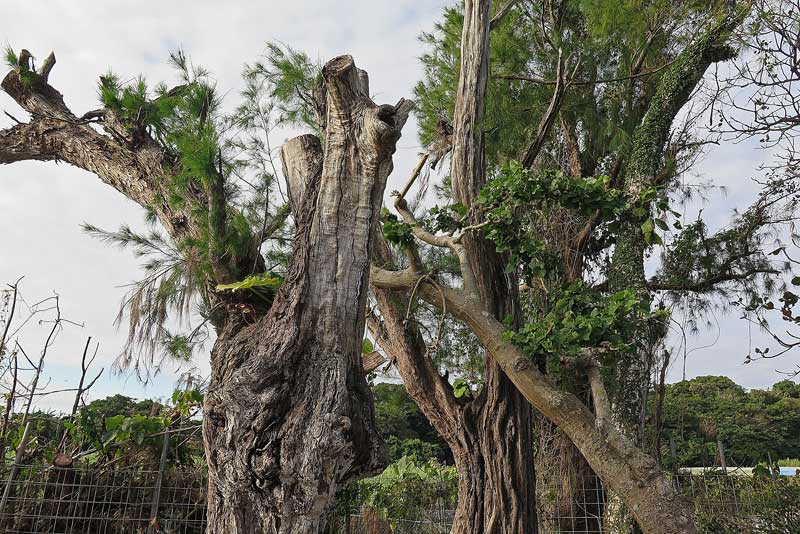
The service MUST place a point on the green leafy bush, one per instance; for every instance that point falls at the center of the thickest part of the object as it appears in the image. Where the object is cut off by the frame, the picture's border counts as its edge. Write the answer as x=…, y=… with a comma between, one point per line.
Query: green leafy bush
x=403, y=491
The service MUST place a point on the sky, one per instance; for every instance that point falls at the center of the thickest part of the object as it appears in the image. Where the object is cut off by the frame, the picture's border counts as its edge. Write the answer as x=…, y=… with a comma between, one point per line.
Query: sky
x=42, y=204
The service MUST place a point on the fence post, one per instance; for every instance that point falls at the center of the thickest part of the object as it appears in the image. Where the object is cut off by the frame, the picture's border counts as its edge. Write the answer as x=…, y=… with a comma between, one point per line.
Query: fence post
x=722, y=461
x=154, y=526
x=13, y=473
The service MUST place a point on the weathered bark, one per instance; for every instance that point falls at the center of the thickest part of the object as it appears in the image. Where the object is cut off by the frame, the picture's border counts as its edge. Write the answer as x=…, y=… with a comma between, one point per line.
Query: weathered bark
x=495, y=461
x=288, y=412
x=495, y=454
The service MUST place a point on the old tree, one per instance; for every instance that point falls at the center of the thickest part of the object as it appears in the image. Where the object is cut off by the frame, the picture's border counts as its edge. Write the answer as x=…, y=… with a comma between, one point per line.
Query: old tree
x=288, y=412
x=589, y=107
x=562, y=158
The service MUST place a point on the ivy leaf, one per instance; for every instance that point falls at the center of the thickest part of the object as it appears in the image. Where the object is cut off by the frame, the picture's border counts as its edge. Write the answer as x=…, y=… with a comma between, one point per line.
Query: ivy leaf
x=459, y=208
x=366, y=346
x=460, y=388
x=648, y=228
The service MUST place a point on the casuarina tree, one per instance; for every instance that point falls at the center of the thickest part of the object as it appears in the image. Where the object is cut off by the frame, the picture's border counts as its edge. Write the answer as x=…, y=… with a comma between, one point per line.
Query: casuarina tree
x=288, y=414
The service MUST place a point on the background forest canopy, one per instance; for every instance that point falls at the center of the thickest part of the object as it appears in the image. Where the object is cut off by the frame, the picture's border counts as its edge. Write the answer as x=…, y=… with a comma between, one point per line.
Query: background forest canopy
x=753, y=425
x=545, y=258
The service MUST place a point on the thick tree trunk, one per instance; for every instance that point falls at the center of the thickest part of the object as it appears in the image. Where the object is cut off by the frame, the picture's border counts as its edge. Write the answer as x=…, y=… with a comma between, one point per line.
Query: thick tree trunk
x=288, y=413
x=494, y=458
x=490, y=437
x=495, y=461
x=627, y=272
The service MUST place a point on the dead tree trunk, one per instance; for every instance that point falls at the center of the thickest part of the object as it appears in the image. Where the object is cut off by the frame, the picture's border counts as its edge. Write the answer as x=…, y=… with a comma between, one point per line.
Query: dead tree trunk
x=288, y=413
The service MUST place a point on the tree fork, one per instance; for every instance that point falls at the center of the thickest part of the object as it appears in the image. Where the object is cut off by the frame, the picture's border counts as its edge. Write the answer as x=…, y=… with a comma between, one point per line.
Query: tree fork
x=490, y=436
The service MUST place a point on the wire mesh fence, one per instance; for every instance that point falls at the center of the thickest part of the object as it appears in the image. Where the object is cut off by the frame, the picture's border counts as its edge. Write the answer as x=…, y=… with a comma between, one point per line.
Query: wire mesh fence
x=575, y=507
x=743, y=504
x=129, y=500
x=121, y=500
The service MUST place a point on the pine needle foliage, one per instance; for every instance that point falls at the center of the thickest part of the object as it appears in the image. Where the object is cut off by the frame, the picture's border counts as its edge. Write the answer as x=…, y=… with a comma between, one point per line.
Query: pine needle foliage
x=27, y=75
x=203, y=148
x=293, y=80
x=604, y=38
x=169, y=291
x=11, y=58
x=741, y=262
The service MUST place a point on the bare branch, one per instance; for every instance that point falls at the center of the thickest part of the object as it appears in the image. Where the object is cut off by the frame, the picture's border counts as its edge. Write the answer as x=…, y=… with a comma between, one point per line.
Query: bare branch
x=414, y=175
x=602, y=404
x=47, y=66
x=453, y=244
x=549, y=117
x=500, y=15
x=404, y=344
x=709, y=283
x=542, y=81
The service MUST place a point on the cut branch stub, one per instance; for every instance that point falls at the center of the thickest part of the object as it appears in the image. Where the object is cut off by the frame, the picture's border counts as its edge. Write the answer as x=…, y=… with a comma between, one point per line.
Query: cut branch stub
x=302, y=162
x=31, y=90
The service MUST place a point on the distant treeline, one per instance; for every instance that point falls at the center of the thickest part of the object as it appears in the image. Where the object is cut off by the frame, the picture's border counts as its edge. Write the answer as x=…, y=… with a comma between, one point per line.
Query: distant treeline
x=754, y=426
